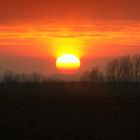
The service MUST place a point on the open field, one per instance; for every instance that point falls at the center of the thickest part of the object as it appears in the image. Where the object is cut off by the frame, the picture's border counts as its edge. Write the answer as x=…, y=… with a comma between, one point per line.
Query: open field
x=69, y=111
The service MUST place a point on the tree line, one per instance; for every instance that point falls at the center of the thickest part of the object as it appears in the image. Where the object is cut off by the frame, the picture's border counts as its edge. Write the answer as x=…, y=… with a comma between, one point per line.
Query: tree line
x=120, y=69
x=11, y=77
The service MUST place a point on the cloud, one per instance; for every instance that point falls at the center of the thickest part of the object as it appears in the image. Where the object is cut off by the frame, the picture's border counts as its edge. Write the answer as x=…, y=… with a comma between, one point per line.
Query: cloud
x=125, y=32
x=12, y=11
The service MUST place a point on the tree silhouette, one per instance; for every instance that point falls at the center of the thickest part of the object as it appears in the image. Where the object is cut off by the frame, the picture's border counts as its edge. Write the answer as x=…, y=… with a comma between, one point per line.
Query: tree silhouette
x=95, y=75
x=127, y=69
x=120, y=69
x=8, y=77
x=123, y=69
x=136, y=67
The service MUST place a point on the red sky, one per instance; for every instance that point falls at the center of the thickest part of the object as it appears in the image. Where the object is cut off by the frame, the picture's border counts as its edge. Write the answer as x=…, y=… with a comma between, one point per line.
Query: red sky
x=34, y=32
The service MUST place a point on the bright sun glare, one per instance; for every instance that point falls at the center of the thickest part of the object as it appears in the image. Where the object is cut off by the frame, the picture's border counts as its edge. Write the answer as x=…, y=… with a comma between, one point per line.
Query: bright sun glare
x=68, y=63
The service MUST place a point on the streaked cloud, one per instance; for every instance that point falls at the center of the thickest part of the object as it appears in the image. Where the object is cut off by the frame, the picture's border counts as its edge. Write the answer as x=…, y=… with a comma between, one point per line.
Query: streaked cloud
x=106, y=31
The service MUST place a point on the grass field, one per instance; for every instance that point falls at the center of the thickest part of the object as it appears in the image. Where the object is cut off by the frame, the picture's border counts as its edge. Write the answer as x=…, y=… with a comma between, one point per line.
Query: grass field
x=69, y=111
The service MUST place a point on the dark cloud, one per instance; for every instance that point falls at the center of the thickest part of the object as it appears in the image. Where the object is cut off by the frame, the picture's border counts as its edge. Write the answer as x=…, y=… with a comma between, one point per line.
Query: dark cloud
x=36, y=10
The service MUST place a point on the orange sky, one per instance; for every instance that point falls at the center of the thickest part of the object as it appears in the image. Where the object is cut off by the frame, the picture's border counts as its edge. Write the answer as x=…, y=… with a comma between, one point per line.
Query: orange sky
x=34, y=33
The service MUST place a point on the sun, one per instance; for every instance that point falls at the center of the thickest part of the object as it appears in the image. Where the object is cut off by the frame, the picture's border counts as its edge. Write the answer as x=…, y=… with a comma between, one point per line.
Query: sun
x=68, y=63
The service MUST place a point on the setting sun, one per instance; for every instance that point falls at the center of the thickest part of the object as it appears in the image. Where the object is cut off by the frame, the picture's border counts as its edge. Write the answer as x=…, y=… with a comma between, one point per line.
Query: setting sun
x=68, y=63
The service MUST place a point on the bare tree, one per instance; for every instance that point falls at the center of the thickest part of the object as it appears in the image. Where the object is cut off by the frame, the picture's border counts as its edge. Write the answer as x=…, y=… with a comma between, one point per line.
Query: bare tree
x=136, y=67
x=119, y=69
x=126, y=69
x=111, y=70
x=95, y=75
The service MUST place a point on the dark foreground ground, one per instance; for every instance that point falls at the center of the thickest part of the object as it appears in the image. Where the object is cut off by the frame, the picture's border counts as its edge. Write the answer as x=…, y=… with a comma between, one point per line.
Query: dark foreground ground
x=70, y=111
